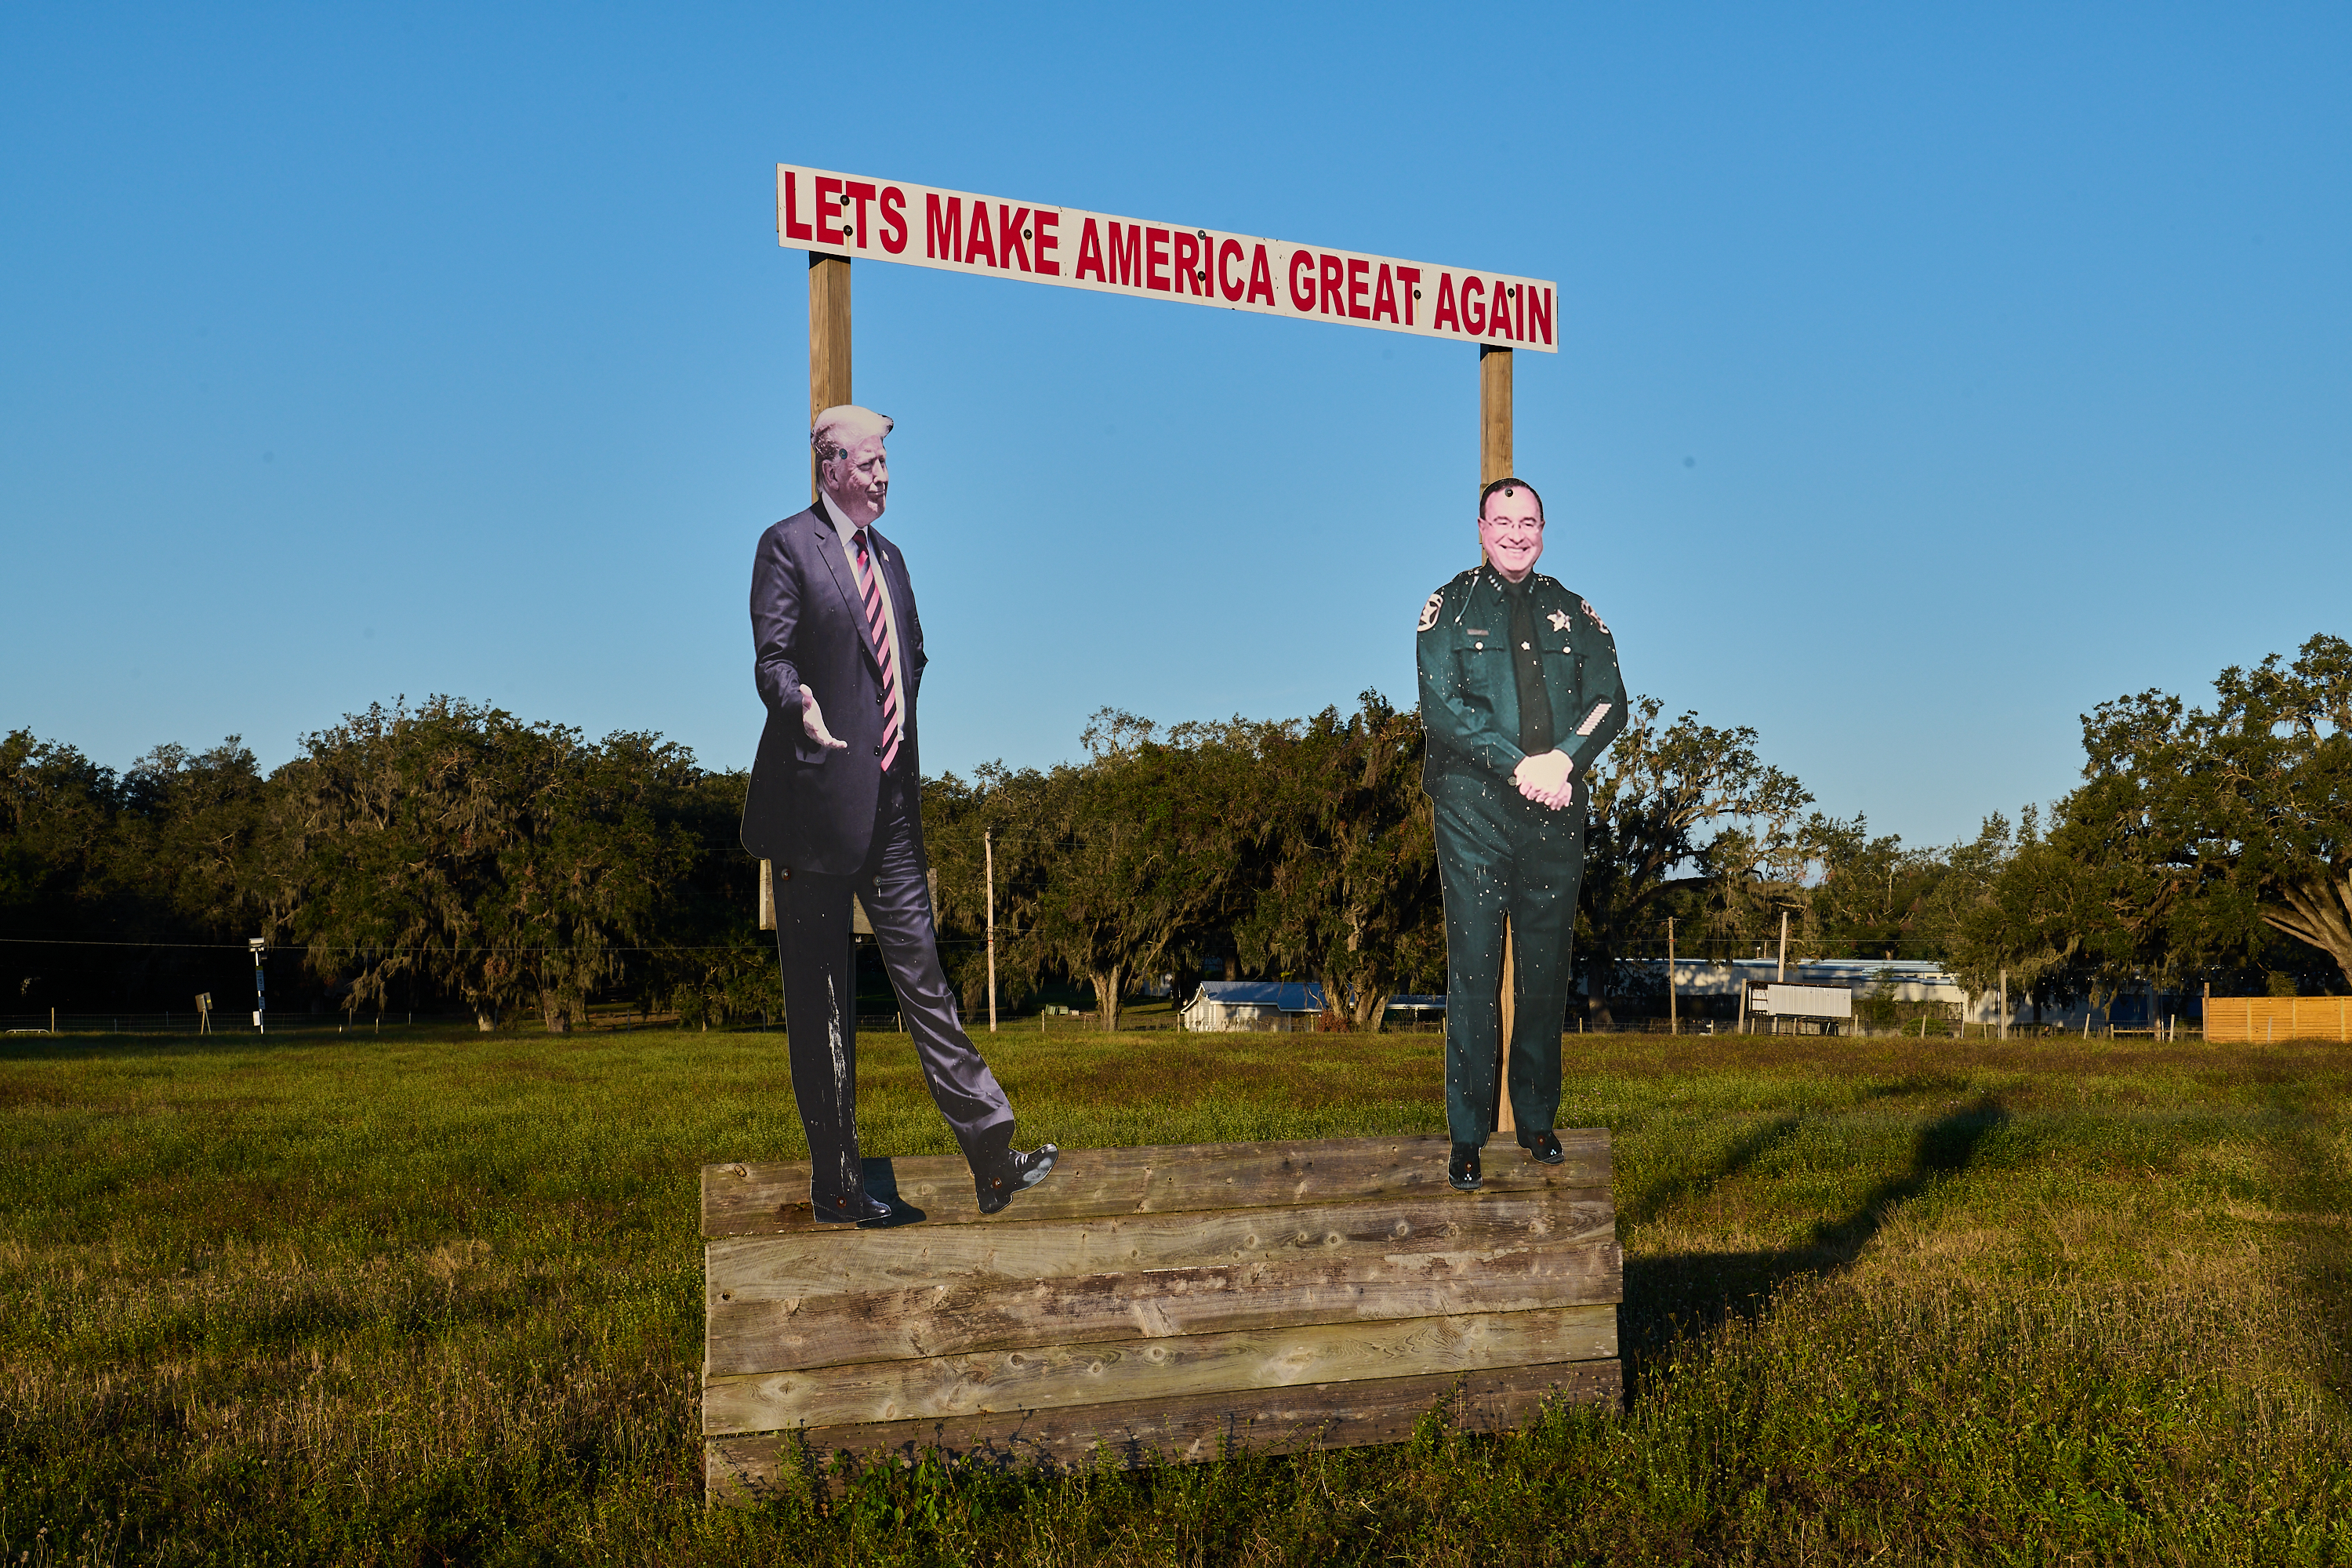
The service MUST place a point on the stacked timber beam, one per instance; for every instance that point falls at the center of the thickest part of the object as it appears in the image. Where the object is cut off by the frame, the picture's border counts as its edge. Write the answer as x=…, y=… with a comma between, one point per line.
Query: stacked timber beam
x=1163, y=1300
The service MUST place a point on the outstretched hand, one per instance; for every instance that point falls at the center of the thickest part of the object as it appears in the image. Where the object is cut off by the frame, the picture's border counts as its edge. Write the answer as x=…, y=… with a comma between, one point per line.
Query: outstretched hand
x=812, y=721
x=1548, y=779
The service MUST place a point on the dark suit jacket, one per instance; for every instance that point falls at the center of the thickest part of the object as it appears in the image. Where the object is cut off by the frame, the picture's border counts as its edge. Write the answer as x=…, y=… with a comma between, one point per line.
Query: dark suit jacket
x=810, y=809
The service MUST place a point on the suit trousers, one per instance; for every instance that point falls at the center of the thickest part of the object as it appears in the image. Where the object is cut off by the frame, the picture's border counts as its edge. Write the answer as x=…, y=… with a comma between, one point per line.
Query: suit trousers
x=1498, y=854
x=815, y=945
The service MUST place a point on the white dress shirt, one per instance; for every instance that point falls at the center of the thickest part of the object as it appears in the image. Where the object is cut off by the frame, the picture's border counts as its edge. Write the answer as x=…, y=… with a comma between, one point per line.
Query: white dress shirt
x=848, y=534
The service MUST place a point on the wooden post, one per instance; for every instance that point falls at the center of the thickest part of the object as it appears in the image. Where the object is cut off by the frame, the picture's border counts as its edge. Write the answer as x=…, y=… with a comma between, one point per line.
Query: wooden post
x=1781, y=974
x=829, y=381
x=828, y=386
x=1495, y=463
x=988, y=849
x=1673, y=1016
x=1494, y=414
x=2004, y=1004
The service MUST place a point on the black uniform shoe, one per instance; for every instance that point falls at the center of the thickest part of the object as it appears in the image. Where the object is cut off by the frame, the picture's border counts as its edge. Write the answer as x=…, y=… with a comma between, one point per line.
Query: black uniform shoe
x=854, y=1208
x=1461, y=1172
x=1544, y=1146
x=1012, y=1171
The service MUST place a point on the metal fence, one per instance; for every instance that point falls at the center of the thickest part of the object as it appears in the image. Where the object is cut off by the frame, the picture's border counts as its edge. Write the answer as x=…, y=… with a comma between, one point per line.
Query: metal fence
x=223, y=1022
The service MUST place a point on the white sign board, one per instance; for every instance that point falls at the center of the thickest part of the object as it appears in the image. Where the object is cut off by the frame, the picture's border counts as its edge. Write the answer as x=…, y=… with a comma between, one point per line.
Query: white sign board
x=1807, y=1002
x=957, y=231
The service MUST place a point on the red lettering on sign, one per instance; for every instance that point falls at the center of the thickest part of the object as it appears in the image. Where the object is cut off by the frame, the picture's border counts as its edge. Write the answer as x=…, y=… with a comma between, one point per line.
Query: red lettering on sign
x=1090, y=251
x=1539, y=314
x=1409, y=285
x=1188, y=262
x=1356, y=273
x=1475, y=326
x=942, y=232
x=1335, y=279
x=793, y=228
x=826, y=206
x=861, y=193
x=1518, y=310
x=894, y=219
x=1260, y=280
x=979, y=240
x=1445, y=314
x=1303, y=298
x=1155, y=256
x=1012, y=239
x=1127, y=257
x=1498, y=323
x=1228, y=252
x=1384, y=295
x=1047, y=240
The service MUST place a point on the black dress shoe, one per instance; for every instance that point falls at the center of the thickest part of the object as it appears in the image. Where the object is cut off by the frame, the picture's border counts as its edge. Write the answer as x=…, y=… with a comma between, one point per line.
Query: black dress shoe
x=1544, y=1146
x=1461, y=1172
x=857, y=1209
x=1011, y=1173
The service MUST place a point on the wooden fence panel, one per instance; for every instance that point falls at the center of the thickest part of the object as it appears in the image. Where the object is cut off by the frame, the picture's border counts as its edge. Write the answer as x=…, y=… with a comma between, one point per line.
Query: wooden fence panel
x=2261, y=1018
x=1164, y=1299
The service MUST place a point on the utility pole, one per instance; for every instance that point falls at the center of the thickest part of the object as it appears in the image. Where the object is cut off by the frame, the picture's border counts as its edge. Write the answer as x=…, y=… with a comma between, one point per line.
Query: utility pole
x=2004, y=1004
x=988, y=850
x=260, y=995
x=1781, y=974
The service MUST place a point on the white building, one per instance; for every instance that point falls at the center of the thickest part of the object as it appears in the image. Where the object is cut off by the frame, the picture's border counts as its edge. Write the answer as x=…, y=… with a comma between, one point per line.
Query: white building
x=1897, y=979
x=1260, y=1006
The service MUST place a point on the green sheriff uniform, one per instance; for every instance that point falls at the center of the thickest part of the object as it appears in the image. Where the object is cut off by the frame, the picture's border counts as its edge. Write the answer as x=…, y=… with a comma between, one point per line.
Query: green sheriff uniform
x=1509, y=671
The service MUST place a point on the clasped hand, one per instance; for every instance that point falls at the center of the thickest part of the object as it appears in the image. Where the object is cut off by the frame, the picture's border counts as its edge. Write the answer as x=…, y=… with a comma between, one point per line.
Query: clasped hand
x=1547, y=779
x=813, y=722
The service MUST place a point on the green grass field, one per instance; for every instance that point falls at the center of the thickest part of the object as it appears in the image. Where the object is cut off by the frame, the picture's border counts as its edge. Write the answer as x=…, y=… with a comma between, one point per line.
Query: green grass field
x=436, y=1299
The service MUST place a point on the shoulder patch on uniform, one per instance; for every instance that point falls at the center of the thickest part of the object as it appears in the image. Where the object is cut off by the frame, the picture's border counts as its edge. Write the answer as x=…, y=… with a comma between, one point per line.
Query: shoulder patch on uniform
x=1429, y=611
x=1596, y=616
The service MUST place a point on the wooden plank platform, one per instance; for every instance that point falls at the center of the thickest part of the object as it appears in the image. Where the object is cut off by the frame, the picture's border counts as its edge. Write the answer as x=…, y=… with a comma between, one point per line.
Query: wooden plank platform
x=1163, y=1300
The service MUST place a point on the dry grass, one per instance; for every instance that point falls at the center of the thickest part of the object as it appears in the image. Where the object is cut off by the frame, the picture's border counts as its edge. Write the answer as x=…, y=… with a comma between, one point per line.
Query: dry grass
x=437, y=1300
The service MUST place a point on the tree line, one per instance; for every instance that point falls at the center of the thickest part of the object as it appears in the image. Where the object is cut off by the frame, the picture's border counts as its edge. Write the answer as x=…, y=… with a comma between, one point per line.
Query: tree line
x=453, y=855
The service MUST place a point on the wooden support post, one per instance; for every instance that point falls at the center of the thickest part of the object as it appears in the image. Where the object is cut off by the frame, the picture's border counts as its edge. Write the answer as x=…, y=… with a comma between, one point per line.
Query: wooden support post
x=1673, y=1015
x=1495, y=463
x=988, y=848
x=829, y=381
x=828, y=386
x=1493, y=415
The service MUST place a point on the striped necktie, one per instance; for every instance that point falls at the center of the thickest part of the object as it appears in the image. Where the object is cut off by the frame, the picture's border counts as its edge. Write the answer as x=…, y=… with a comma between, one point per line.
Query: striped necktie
x=869, y=585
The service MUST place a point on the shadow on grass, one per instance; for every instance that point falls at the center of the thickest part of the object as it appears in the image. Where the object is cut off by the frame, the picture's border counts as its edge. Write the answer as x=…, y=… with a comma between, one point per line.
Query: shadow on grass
x=2315, y=1195
x=1649, y=1202
x=1672, y=1298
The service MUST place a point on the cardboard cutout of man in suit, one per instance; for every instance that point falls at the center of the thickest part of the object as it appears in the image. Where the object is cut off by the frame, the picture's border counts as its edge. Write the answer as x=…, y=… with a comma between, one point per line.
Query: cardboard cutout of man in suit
x=835, y=803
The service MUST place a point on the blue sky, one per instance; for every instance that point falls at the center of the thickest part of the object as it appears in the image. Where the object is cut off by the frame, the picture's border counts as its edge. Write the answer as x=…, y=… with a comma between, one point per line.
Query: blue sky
x=1927, y=375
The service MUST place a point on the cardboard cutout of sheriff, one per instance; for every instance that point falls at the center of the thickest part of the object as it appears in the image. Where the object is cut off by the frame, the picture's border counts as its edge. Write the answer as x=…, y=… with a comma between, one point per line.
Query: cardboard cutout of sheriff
x=1519, y=692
